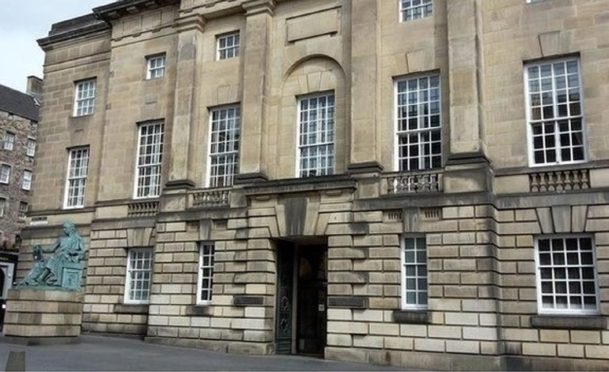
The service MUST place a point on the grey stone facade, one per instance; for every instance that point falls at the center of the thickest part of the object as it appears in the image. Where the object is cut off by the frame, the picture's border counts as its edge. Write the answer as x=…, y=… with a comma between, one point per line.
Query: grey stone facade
x=18, y=117
x=480, y=216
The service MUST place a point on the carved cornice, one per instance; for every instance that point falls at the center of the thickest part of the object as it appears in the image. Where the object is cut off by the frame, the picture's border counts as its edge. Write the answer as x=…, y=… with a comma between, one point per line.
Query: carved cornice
x=73, y=28
x=123, y=8
x=254, y=7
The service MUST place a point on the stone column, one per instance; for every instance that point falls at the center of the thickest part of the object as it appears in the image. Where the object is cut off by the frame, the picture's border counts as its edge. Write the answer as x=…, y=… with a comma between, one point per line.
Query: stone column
x=365, y=95
x=256, y=52
x=181, y=173
x=467, y=166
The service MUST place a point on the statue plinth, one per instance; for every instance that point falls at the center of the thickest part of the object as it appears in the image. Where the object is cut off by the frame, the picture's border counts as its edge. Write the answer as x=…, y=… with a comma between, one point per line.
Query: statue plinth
x=43, y=315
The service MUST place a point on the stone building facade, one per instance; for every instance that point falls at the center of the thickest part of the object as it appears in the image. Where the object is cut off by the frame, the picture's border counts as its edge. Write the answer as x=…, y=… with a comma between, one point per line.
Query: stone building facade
x=18, y=132
x=415, y=183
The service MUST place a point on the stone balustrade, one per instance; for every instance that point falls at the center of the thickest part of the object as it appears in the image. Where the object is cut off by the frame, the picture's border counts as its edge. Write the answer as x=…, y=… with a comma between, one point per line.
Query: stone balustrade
x=143, y=208
x=560, y=181
x=210, y=198
x=413, y=182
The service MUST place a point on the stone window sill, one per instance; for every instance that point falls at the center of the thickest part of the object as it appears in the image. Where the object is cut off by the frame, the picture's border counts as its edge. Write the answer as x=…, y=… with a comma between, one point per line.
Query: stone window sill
x=198, y=310
x=130, y=309
x=569, y=322
x=411, y=316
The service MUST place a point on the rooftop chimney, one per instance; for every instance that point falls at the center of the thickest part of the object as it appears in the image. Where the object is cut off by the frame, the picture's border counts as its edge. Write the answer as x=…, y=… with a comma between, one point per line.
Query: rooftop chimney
x=34, y=87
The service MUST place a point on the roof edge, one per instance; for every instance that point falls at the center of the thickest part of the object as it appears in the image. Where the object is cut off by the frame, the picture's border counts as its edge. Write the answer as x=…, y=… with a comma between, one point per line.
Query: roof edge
x=119, y=9
x=72, y=28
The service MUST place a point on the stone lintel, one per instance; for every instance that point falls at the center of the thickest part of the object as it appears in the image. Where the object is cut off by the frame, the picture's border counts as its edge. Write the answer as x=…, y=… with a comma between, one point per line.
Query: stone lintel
x=351, y=302
x=366, y=167
x=411, y=316
x=122, y=223
x=248, y=301
x=304, y=184
x=247, y=178
x=569, y=322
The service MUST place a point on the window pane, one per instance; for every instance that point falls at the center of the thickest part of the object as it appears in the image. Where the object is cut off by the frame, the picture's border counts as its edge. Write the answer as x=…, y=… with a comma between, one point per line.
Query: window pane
x=224, y=154
x=139, y=272
x=419, y=131
x=414, y=293
x=566, y=269
x=206, y=271
x=149, y=161
x=78, y=167
x=554, y=94
x=316, y=133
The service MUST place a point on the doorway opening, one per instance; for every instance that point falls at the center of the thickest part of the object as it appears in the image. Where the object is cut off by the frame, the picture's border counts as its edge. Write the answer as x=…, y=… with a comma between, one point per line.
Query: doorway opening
x=302, y=291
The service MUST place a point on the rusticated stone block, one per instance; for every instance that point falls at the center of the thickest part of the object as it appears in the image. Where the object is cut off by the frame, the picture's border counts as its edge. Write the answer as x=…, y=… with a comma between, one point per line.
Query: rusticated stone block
x=351, y=302
x=248, y=300
x=33, y=315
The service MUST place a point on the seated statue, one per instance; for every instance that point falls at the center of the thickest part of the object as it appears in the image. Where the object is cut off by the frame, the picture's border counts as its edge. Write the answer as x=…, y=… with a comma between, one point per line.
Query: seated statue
x=63, y=269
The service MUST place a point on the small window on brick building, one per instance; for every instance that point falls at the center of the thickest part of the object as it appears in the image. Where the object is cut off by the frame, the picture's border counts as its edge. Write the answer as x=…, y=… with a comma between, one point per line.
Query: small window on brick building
x=3, y=206
x=206, y=273
x=8, y=141
x=414, y=273
x=155, y=66
x=30, y=149
x=139, y=276
x=228, y=45
x=415, y=9
x=23, y=209
x=5, y=173
x=26, y=181
x=566, y=275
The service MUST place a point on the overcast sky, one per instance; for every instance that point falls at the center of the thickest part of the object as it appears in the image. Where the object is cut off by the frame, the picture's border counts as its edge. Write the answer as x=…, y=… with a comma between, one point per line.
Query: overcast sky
x=22, y=22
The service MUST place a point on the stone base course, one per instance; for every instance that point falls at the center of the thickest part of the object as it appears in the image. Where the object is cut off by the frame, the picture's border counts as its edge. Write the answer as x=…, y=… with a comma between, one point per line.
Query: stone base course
x=43, y=316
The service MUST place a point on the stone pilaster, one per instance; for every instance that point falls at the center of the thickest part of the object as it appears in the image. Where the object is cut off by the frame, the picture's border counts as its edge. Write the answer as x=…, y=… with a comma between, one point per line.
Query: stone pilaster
x=365, y=95
x=256, y=53
x=181, y=173
x=467, y=166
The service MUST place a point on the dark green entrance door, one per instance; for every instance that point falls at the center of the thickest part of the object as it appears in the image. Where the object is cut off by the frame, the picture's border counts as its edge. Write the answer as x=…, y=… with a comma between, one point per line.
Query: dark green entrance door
x=285, y=298
x=301, y=299
x=312, y=298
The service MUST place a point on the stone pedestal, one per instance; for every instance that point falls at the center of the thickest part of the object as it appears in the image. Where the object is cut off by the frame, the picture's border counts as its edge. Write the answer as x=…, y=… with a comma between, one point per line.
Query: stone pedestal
x=35, y=316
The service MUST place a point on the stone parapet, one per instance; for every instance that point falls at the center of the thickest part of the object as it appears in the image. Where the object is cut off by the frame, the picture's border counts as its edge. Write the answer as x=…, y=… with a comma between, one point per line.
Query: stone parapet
x=37, y=316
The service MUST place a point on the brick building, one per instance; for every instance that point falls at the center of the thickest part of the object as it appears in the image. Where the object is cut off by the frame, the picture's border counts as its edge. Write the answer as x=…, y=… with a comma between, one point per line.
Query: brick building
x=416, y=183
x=18, y=132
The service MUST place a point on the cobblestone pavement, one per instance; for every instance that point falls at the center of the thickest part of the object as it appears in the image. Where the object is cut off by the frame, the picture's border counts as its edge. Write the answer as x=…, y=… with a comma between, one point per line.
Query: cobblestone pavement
x=99, y=353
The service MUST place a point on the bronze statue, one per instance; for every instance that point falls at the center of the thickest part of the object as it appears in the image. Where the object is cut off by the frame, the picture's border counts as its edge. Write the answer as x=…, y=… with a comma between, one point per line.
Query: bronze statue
x=63, y=269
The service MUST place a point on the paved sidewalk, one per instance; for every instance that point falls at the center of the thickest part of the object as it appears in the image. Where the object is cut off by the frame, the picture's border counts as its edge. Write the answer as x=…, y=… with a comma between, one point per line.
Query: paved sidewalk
x=99, y=353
